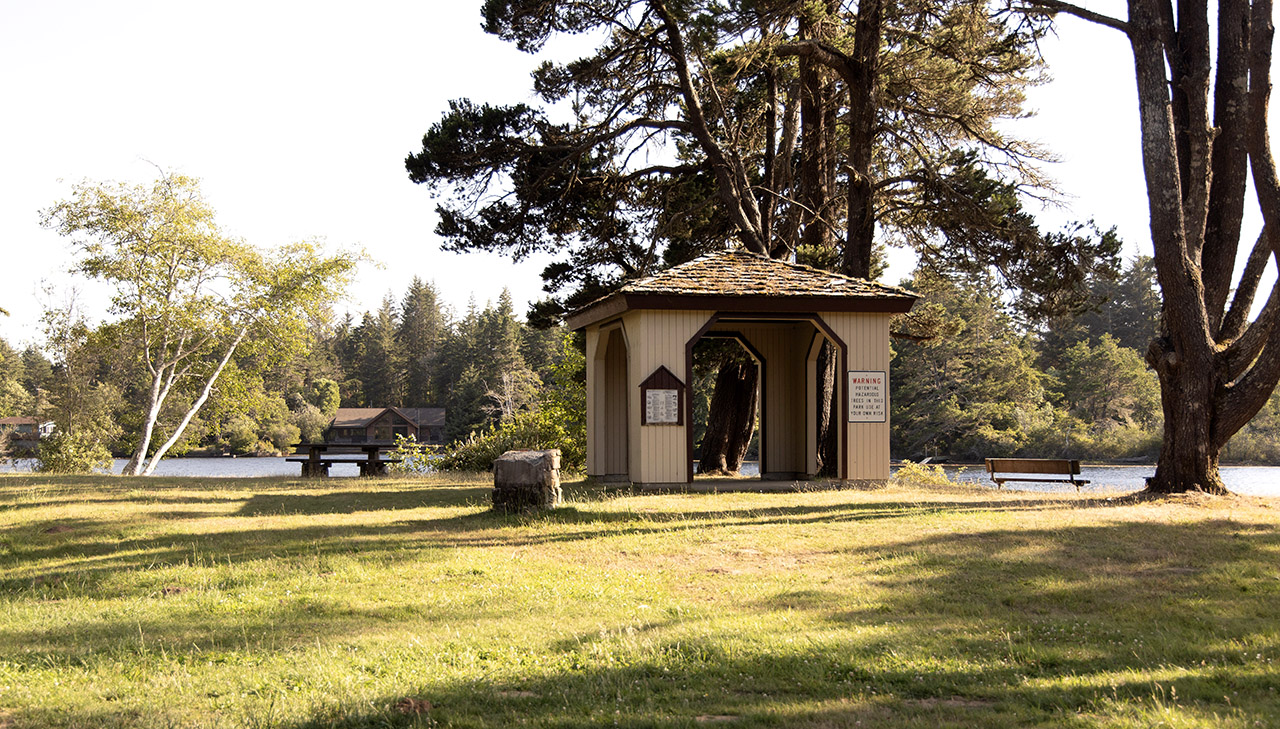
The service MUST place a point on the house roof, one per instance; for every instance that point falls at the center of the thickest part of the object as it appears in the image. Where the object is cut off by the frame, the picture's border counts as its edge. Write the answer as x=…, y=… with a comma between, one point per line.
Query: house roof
x=424, y=417
x=737, y=280
x=18, y=421
x=361, y=417
x=355, y=417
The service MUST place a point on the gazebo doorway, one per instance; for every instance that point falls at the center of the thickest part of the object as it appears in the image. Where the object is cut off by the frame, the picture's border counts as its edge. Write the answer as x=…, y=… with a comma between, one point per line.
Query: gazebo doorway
x=640, y=339
x=786, y=349
x=611, y=436
x=726, y=404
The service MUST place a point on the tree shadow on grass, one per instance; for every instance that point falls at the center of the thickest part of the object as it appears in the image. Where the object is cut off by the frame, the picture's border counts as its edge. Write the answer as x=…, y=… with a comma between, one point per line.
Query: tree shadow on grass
x=1071, y=626
x=86, y=550
x=1135, y=623
x=350, y=502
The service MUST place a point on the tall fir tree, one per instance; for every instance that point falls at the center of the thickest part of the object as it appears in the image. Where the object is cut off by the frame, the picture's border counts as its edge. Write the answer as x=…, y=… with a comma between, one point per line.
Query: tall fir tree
x=418, y=338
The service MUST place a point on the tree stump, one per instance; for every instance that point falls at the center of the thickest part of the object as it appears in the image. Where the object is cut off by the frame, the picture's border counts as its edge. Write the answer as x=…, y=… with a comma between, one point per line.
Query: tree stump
x=526, y=481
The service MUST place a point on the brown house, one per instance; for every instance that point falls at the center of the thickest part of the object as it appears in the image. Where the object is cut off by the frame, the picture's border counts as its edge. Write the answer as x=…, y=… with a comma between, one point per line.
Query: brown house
x=382, y=425
x=22, y=428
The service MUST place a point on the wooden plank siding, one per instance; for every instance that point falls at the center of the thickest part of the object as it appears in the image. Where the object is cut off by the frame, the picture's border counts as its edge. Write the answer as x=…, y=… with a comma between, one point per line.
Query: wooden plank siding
x=623, y=352
x=867, y=338
x=658, y=339
x=607, y=411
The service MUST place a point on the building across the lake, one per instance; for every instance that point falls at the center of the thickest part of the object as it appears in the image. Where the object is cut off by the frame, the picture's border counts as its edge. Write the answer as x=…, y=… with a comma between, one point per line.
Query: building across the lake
x=382, y=425
x=26, y=428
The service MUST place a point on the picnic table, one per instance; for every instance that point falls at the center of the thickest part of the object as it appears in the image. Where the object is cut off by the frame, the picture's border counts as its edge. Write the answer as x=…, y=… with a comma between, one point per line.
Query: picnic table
x=316, y=465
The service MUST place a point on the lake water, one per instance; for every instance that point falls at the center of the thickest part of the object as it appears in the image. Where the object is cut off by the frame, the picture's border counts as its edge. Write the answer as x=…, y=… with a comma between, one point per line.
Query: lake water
x=1253, y=480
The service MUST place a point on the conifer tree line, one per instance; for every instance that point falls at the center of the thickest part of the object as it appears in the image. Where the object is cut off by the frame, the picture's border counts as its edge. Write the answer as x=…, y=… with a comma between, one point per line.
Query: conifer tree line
x=992, y=378
x=483, y=366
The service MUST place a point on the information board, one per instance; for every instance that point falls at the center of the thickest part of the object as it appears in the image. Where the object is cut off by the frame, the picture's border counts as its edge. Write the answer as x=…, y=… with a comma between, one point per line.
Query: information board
x=868, y=397
x=661, y=407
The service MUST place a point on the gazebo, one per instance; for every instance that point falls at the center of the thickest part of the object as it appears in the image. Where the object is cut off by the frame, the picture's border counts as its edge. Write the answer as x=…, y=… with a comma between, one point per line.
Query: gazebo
x=640, y=343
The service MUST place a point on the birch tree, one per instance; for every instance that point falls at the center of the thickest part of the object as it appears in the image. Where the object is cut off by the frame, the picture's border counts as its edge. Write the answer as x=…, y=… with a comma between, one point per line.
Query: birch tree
x=187, y=294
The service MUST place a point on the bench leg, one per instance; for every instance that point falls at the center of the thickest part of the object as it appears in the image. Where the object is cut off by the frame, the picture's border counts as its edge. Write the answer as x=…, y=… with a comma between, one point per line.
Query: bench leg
x=315, y=469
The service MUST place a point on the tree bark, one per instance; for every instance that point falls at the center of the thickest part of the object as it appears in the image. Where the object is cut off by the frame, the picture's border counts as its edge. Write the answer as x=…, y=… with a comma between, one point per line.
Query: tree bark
x=731, y=420
x=828, y=452
x=1188, y=458
x=861, y=77
x=195, y=407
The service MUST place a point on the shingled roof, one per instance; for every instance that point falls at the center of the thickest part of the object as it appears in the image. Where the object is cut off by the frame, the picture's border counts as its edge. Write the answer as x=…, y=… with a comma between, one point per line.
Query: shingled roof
x=737, y=280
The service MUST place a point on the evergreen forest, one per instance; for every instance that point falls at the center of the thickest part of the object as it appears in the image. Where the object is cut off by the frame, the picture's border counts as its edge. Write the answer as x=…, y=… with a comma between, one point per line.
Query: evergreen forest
x=973, y=375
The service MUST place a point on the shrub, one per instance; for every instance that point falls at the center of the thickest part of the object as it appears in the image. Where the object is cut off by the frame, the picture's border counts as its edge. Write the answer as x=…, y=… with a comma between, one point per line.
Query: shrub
x=919, y=475
x=282, y=435
x=540, y=430
x=414, y=457
x=72, y=453
x=311, y=423
x=241, y=434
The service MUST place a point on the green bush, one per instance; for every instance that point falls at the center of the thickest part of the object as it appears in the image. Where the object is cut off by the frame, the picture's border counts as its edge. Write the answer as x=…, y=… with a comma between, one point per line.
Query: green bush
x=920, y=475
x=413, y=457
x=72, y=453
x=543, y=429
x=283, y=435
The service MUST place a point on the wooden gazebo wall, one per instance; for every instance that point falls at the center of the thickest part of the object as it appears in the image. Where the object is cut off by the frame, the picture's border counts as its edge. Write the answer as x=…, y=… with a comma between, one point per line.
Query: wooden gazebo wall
x=654, y=338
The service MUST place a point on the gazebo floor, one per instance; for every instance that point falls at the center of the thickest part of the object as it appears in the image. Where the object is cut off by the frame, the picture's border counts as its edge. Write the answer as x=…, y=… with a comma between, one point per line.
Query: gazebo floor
x=713, y=485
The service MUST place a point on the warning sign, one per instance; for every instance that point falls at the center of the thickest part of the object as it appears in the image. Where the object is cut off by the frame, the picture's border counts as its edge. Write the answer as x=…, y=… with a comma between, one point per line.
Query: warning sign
x=868, y=397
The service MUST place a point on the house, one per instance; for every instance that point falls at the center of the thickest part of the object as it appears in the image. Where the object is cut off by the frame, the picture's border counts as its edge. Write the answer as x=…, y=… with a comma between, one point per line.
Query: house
x=382, y=425
x=21, y=428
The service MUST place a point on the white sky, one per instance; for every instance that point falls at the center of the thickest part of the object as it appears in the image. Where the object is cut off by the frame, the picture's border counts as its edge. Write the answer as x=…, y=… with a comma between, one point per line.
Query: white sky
x=297, y=117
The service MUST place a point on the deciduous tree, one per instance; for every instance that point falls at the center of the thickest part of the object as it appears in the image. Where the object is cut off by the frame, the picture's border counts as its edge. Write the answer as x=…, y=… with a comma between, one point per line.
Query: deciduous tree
x=189, y=296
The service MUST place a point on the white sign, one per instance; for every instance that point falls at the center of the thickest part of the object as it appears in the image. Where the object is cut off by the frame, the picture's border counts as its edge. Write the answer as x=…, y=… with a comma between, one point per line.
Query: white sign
x=868, y=397
x=661, y=406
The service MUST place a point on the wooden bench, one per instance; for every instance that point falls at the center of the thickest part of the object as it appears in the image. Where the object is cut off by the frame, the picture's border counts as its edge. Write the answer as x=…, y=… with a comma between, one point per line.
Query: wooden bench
x=1038, y=466
x=315, y=465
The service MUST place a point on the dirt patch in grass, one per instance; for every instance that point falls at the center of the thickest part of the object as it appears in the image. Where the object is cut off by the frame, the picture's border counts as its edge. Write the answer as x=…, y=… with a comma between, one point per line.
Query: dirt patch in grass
x=413, y=706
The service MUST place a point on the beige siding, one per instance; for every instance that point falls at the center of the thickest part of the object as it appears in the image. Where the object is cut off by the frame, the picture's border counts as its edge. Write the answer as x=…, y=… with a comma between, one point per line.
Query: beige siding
x=658, y=338
x=658, y=453
x=593, y=397
x=607, y=382
x=867, y=339
x=783, y=411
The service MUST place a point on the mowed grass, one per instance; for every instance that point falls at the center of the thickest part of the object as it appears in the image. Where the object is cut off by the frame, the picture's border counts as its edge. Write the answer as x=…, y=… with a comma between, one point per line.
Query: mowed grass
x=128, y=602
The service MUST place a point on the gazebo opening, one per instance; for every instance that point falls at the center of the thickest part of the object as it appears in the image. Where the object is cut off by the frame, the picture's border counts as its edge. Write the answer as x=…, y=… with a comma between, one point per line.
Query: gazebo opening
x=610, y=381
x=796, y=430
x=726, y=404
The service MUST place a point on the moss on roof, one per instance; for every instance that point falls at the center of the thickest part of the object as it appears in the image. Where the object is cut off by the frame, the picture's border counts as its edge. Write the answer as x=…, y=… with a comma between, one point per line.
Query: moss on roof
x=743, y=275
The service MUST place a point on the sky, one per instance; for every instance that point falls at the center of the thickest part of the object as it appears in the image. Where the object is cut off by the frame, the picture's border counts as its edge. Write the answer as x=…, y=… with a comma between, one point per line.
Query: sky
x=297, y=117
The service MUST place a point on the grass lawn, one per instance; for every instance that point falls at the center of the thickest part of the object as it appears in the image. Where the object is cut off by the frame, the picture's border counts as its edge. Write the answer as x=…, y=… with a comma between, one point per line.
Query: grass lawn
x=153, y=602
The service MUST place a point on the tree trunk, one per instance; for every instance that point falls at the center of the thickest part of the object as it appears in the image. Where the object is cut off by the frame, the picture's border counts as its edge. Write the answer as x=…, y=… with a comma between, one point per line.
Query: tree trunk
x=827, y=423
x=1188, y=458
x=155, y=401
x=862, y=119
x=815, y=155
x=731, y=419
x=195, y=407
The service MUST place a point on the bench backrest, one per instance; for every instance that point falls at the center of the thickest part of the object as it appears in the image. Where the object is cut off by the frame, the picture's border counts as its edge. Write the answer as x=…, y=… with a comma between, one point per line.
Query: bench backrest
x=1032, y=465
